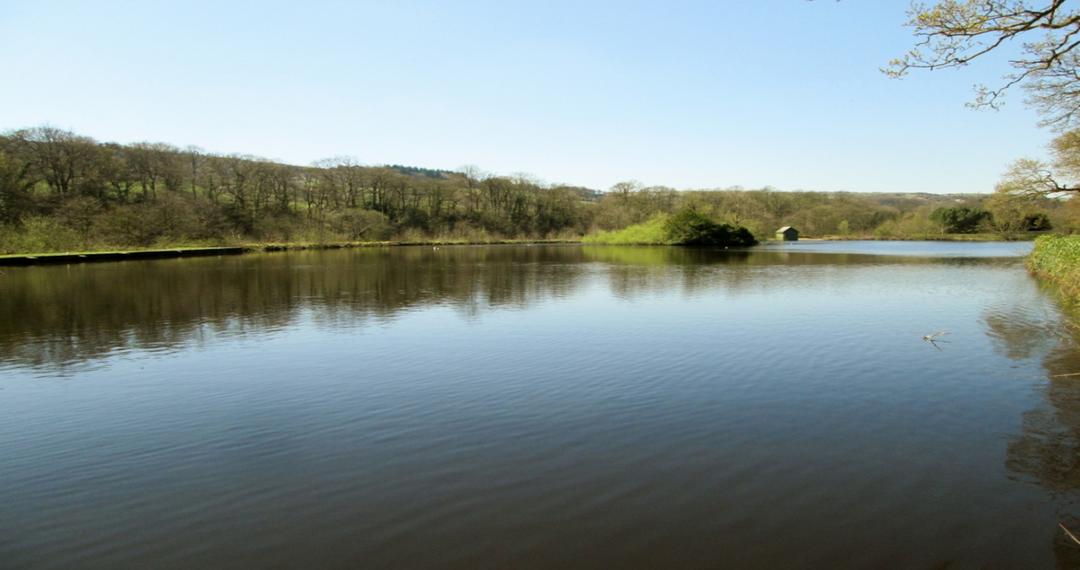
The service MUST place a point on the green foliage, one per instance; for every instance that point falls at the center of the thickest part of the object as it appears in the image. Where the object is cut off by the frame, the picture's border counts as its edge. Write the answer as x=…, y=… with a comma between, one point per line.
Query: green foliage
x=651, y=232
x=110, y=196
x=959, y=220
x=1015, y=214
x=1037, y=222
x=1058, y=258
x=39, y=234
x=15, y=185
x=815, y=214
x=687, y=227
x=690, y=227
x=118, y=196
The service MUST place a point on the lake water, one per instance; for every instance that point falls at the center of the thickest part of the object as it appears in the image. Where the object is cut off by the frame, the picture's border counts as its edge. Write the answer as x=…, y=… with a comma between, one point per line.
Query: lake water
x=541, y=407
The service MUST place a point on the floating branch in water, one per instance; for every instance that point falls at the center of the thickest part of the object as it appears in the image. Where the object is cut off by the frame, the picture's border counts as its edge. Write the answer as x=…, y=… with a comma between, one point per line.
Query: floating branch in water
x=934, y=338
x=1065, y=375
x=1069, y=533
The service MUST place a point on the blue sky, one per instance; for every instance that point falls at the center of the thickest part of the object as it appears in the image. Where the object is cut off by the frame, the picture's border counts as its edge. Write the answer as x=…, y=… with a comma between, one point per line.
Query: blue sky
x=687, y=94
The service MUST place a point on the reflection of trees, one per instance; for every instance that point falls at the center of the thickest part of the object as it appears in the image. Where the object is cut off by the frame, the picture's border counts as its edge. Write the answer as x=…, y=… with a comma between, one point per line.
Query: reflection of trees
x=657, y=269
x=645, y=270
x=1018, y=334
x=1047, y=451
x=58, y=315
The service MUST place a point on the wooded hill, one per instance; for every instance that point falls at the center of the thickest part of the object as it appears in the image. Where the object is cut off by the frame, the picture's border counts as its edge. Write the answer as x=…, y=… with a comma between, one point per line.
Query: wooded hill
x=60, y=191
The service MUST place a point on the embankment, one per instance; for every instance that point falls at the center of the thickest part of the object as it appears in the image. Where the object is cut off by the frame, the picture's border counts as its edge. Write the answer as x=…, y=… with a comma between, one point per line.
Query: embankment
x=165, y=253
x=1057, y=259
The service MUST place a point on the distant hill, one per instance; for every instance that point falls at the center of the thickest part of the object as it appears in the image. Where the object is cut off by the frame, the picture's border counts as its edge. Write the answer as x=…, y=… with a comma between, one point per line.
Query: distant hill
x=587, y=194
x=421, y=172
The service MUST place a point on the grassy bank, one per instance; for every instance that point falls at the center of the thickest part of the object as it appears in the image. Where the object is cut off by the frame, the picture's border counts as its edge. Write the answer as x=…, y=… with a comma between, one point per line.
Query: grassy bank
x=1057, y=259
x=651, y=232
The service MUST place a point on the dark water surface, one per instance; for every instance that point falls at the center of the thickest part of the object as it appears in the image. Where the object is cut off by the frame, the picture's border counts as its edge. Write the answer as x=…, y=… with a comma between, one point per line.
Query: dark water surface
x=540, y=407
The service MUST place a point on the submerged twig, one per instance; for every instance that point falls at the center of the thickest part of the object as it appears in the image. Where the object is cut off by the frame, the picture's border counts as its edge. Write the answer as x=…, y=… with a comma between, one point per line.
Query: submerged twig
x=1069, y=533
x=1065, y=375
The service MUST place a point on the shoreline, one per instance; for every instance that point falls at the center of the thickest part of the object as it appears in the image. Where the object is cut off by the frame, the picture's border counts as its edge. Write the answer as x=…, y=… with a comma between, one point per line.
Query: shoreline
x=946, y=237
x=67, y=258
x=1056, y=260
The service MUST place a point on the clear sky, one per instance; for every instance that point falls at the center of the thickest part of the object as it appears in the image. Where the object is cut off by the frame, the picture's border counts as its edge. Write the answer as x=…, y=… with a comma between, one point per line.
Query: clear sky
x=785, y=93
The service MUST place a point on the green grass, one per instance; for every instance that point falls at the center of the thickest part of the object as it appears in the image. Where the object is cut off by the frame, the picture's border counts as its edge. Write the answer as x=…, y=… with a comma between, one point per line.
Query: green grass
x=652, y=232
x=1057, y=259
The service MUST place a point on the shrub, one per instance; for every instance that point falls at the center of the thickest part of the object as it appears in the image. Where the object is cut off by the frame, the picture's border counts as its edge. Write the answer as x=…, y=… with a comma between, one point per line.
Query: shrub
x=125, y=225
x=1037, y=222
x=959, y=220
x=690, y=227
x=79, y=213
x=361, y=225
x=39, y=234
x=279, y=227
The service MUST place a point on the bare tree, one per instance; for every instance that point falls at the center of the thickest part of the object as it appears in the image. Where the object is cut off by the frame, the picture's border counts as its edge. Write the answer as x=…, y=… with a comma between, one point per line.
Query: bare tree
x=195, y=158
x=154, y=164
x=624, y=189
x=60, y=157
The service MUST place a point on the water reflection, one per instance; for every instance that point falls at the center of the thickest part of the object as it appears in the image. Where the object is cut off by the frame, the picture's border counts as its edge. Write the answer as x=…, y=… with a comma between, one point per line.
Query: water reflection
x=1047, y=450
x=57, y=315
x=60, y=316
x=534, y=407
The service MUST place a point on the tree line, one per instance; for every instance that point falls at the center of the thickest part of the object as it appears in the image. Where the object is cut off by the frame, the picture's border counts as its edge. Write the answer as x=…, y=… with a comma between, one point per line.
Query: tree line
x=52, y=172
x=61, y=191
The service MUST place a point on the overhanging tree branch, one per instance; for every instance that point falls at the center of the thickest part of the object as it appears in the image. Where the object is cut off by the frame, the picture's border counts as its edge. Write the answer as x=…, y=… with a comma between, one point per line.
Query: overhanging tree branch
x=953, y=33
